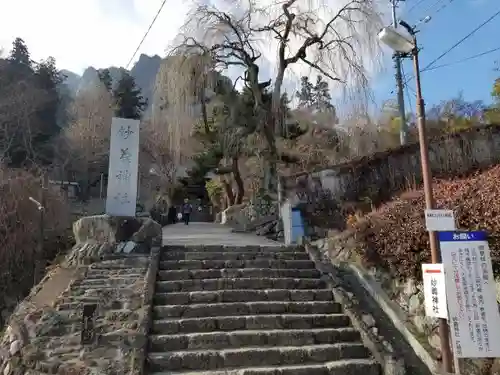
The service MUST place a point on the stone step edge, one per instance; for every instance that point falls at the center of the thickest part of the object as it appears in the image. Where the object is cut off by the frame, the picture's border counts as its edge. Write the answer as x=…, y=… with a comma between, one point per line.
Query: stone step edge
x=248, y=349
x=157, y=336
x=235, y=252
x=240, y=278
x=191, y=272
x=274, y=369
x=168, y=265
x=233, y=260
x=260, y=291
x=229, y=248
x=166, y=320
x=197, y=305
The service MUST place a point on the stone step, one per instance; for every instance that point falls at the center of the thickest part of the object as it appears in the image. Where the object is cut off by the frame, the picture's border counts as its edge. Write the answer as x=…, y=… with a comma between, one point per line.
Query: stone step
x=239, y=283
x=205, y=255
x=228, y=248
x=119, y=282
x=220, y=264
x=250, y=322
x=122, y=264
x=247, y=308
x=73, y=302
x=342, y=367
x=241, y=339
x=242, y=295
x=185, y=274
x=96, y=275
x=247, y=357
x=95, y=290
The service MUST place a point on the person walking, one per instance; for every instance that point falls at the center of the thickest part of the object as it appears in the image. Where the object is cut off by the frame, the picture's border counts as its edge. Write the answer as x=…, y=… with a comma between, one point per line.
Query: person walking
x=187, y=208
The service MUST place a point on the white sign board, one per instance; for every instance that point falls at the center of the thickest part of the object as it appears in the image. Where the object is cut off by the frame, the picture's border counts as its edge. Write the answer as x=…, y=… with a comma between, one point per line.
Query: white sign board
x=123, y=167
x=470, y=289
x=440, y=220
x=434, y=290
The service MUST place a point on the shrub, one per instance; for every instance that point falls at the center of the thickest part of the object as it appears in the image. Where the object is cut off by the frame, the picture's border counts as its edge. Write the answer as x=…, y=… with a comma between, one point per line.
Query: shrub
x=20, y=233
x=395, y=237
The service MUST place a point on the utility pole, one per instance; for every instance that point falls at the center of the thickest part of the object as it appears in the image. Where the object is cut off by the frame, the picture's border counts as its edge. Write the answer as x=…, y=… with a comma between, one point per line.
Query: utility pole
x=444, y=330
x=403, y=133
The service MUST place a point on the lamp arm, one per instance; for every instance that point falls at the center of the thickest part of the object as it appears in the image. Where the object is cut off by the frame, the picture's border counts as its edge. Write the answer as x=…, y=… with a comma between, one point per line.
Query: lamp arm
x=408, y=28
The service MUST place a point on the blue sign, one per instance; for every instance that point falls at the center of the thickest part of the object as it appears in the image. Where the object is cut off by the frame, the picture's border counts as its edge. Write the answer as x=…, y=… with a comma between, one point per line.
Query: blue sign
x=455, y=236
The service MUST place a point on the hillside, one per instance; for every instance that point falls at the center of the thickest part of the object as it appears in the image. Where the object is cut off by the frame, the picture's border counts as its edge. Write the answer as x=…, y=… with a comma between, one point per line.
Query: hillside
x=394, y=235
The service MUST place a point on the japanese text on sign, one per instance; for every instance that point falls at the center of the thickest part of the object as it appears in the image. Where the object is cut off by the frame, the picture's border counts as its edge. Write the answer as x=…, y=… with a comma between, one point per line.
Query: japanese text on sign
x=123, y=167
x=439, y=220
x=471, y=294
x=434, y=290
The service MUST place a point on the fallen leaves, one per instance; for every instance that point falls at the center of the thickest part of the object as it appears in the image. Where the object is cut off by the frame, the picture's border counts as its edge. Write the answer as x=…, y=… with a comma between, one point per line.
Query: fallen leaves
x=395, y=238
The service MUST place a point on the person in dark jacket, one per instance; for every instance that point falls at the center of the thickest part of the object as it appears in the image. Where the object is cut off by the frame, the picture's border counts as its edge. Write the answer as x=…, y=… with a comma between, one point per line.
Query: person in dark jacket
x=187, y=208
x=172, y=215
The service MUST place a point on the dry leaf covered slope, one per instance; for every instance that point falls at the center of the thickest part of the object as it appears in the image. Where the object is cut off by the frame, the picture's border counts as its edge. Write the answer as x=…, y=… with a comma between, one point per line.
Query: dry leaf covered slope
x=394, y=236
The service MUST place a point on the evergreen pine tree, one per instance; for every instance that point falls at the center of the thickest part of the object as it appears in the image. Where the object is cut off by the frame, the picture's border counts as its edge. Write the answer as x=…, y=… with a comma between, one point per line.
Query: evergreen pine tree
x=129, y=101
x=321, y=95
x=305, y=95
x=19, y=53
x=48, y=79
x=20, y=66
x=106, y=79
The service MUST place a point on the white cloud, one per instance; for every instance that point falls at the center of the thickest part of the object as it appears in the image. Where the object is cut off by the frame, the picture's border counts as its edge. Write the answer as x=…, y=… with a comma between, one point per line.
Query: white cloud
x=82, y=33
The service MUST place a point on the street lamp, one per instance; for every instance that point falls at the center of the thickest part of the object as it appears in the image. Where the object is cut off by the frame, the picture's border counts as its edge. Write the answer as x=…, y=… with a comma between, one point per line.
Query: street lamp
x=407, y=46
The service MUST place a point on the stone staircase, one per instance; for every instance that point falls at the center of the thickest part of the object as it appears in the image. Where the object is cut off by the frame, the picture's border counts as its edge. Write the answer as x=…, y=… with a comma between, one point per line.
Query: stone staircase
x=52, y=341
x=249, y=310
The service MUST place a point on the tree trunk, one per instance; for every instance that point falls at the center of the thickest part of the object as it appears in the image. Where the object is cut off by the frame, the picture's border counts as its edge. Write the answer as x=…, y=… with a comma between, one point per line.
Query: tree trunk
x=229, y=191
x=239, y=181
x=204, y=111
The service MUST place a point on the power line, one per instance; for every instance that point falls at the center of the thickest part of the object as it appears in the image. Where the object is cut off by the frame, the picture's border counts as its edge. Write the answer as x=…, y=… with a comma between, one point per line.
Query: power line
x=432, y=6
x=427, y=67
x=146, y=34
x=443, y=6
x=415, y=5
x=463, y=60
x=462, y=40
x=407, y=92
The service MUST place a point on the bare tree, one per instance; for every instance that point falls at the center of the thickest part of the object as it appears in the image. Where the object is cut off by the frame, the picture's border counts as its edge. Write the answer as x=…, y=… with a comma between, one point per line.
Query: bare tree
x=156, y=156
x=19, y=102
x=88, y=136
x=337, y=43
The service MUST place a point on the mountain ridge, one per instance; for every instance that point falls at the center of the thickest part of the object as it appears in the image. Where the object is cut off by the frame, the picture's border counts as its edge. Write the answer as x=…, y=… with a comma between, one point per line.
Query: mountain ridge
x=144, y=72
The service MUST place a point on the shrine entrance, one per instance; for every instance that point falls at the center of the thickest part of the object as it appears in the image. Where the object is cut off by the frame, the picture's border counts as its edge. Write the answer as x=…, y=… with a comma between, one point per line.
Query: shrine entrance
x=197, y=195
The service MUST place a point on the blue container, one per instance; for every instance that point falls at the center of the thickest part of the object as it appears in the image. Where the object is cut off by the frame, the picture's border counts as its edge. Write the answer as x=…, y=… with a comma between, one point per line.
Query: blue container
x=297, y=225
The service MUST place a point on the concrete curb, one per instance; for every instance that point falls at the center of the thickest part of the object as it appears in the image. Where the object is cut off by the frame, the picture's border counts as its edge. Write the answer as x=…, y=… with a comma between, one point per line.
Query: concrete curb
x=396, y=317
x=144, y=325
x=391, y=363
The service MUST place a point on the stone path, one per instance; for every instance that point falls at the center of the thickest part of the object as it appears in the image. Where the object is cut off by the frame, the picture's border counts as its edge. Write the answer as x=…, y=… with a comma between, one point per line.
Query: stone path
x=197, y=234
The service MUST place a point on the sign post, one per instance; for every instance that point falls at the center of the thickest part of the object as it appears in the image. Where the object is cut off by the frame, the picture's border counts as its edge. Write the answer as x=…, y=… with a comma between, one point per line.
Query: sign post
x=88, y=334
x=471, y=295
x=121, y=196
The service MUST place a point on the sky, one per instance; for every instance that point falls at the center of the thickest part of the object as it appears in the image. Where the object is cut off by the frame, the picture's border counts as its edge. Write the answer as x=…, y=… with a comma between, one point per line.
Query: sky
x=102, y=33
x=474, y=78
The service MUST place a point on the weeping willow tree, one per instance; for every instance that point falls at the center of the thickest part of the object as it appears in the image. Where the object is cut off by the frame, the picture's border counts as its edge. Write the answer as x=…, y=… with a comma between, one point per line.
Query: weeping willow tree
x=182, y=84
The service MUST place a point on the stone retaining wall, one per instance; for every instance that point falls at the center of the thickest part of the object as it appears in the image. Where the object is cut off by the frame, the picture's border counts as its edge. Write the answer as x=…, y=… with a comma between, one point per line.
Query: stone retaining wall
x=376, y=178
x=406, y=300
x=45, y=337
